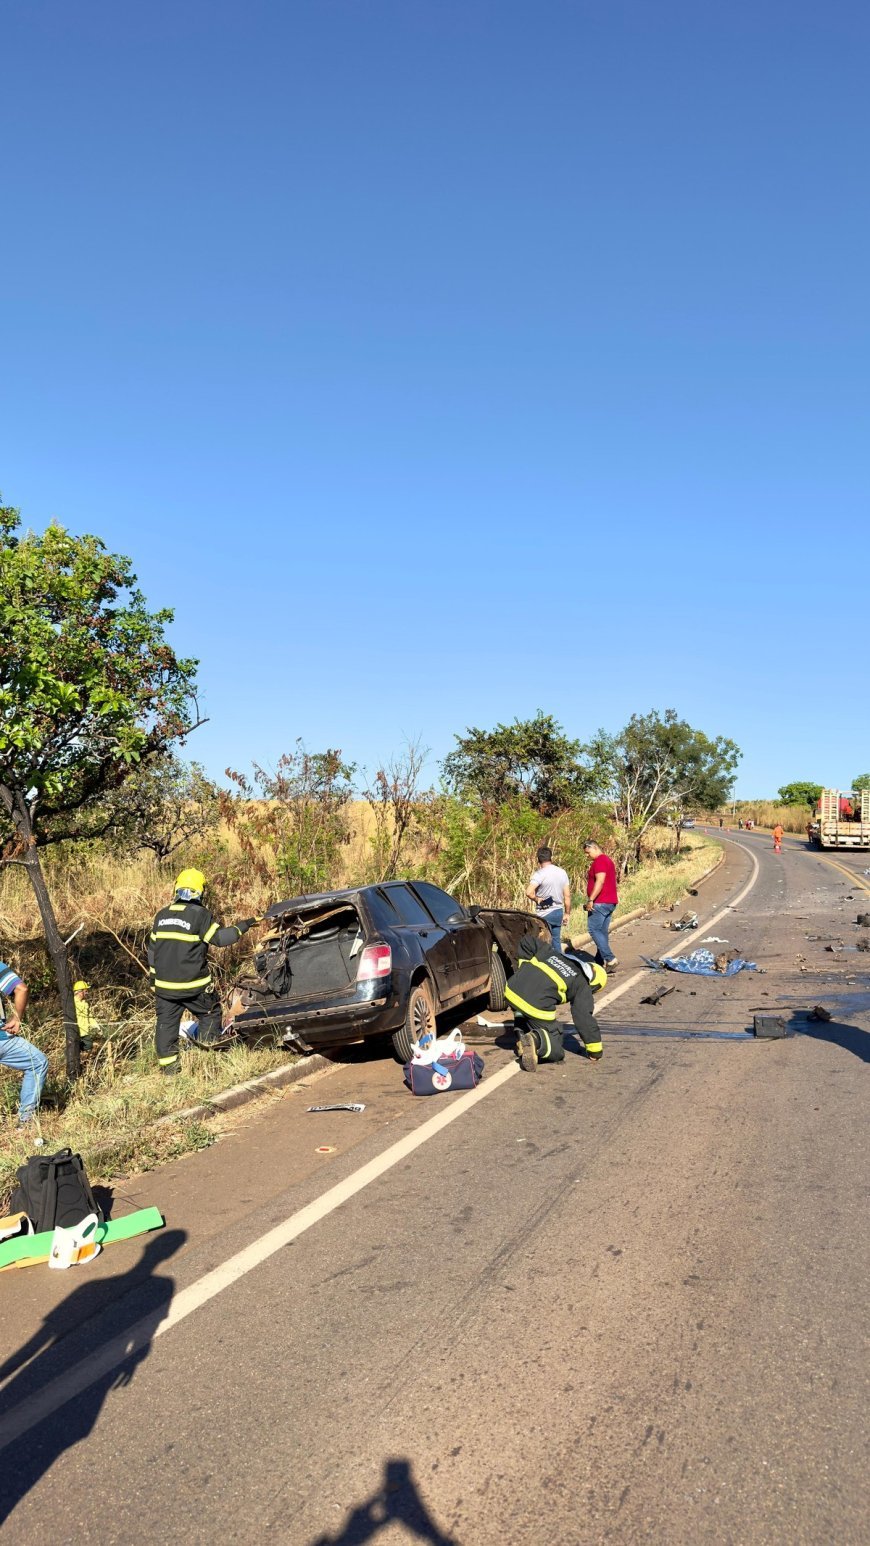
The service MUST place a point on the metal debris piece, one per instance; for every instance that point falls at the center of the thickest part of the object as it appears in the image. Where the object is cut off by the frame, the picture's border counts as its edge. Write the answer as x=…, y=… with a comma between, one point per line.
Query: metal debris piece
x=688, y=921
x=819, y=1012
x=352, y=1105
x=659, y=993
x=863, y=919
x=769, y=1027
x=863, y=943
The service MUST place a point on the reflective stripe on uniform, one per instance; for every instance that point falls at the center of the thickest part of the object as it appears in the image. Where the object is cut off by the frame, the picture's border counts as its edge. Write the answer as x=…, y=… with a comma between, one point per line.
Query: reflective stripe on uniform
x=208, y=933
x=528, y=1009
x=200, y=982
x=177, y=907
x=176, y=934
x=164, y=1061
x=553, y=975
x=594, y=1046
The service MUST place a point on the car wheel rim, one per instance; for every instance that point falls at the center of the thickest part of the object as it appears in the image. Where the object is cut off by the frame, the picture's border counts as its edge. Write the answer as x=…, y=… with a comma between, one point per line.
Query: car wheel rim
x=422, y=1017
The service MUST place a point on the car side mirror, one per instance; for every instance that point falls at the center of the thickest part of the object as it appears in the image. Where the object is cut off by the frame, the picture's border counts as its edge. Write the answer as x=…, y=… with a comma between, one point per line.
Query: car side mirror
x=456, y=918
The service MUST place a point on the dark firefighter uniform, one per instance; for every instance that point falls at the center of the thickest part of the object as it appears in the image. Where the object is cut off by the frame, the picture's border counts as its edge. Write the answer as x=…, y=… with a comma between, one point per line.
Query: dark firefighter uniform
x=180, y=975
x=544, y=980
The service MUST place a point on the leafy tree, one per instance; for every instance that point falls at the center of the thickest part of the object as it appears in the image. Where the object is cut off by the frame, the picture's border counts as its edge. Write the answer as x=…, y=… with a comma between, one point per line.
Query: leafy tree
x=166, y=804
x=531, y=759
x=660, y=766
x=89, y=689
x=800, y=793
x=296, y=818
x=861, y=782
x=396, y=800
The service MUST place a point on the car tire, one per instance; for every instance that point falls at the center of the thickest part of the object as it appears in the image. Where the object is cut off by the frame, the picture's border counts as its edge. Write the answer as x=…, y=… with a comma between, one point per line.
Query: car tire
x=497, y=984
x=419, y=1017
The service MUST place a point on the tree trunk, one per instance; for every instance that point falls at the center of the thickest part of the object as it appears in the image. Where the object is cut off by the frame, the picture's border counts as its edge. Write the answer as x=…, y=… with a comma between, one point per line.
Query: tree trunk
x=20, y=816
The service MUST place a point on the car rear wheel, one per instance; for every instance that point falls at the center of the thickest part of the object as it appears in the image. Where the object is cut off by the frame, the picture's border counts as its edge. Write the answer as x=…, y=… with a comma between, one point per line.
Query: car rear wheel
x=497, y=983
x=419, y=1018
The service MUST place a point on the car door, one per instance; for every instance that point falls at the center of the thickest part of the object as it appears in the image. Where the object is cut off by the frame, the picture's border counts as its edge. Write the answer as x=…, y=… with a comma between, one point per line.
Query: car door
x=471, y=942
x=434, y=940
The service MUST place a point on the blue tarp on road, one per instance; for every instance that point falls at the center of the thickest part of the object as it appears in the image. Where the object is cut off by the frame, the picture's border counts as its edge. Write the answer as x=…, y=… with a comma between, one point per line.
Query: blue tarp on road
x=699, y=963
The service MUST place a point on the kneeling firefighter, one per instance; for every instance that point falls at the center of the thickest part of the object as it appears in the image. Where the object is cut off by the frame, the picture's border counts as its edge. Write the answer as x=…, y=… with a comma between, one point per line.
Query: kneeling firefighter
x=544, y=980
x=180, y=975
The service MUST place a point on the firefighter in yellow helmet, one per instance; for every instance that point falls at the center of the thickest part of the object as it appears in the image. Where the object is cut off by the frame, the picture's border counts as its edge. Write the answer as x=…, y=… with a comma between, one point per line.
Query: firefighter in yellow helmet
x=544, y=980
x=180, y=975
x=88, y=1028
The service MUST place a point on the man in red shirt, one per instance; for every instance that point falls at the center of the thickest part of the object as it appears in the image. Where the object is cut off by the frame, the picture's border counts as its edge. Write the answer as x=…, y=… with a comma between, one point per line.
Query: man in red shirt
x=601, y=899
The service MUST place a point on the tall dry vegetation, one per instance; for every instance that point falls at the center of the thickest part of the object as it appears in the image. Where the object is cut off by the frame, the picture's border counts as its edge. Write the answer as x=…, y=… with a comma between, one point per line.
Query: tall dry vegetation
x=766, y=813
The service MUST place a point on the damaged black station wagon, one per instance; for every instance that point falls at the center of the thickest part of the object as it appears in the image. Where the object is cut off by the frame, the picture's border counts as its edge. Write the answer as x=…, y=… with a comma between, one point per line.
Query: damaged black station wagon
x=378, y=961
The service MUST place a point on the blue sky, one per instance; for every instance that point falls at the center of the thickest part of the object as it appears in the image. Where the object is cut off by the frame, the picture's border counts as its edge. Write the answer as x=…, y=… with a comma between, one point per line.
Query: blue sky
x=439, y=361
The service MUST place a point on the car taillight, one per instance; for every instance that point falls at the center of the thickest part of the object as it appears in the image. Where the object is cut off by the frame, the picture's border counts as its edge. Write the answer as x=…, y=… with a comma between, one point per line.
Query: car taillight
x=375, y=961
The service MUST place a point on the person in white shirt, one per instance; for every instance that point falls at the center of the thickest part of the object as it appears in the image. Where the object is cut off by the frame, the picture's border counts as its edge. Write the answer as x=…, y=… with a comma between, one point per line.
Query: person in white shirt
x=550, y=890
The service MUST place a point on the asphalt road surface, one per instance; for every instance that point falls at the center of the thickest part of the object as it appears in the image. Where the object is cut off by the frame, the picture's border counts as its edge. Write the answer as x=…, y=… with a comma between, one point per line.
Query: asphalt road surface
x=622, y=1302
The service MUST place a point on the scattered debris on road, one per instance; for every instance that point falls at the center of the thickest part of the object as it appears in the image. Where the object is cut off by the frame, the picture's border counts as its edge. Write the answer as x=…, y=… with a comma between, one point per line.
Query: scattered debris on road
x=863, y=919
x=819, y=1012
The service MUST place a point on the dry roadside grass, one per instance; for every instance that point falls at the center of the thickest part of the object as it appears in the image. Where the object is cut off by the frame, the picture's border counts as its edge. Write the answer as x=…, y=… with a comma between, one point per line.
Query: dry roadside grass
x=109, y=1116
x=92, y=885
x=766, y=813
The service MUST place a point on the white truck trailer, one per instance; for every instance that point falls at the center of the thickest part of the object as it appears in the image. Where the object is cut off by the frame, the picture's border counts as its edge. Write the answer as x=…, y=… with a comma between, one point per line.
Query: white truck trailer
x=843, y=819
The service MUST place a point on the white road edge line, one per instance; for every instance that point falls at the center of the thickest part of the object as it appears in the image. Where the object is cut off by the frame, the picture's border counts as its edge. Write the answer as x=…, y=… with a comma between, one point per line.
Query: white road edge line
x=20, y=1419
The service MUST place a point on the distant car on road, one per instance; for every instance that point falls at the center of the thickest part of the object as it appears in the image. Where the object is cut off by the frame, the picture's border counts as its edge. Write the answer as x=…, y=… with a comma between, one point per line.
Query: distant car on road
x=376, y=960
x=686, y=822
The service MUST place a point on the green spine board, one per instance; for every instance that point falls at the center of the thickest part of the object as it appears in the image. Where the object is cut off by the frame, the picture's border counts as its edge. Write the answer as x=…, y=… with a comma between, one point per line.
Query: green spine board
x=108, y=1233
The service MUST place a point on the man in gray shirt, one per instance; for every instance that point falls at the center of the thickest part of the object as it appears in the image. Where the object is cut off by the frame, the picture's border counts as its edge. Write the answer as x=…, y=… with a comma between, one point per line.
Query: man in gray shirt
x=550, y=890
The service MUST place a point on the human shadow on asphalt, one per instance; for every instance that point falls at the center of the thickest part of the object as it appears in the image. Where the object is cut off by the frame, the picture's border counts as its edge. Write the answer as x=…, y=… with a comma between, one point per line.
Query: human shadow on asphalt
x=397, y=1500
x=28, y=1458
x=850, y=1037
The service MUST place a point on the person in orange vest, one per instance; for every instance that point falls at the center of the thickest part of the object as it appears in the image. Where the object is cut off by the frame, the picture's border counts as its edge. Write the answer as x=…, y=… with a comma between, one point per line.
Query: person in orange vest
x=777, y=839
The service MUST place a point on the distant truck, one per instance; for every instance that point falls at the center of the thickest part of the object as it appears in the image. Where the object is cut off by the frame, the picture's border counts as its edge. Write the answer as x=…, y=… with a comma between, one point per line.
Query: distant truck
x=842, y=819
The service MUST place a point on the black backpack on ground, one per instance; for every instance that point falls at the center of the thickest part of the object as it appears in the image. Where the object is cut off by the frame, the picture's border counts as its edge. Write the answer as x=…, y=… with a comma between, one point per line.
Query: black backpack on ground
x=54, y=1189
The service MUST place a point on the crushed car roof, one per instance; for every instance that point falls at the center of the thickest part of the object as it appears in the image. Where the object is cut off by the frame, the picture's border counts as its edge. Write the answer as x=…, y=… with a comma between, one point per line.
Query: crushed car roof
x=298, y=904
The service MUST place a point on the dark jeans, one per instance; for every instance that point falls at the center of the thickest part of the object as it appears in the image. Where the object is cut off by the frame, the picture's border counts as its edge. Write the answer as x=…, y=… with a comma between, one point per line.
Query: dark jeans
x=204, y=1006
x=599, y=928
x=553, y=920
x=549, y=1036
